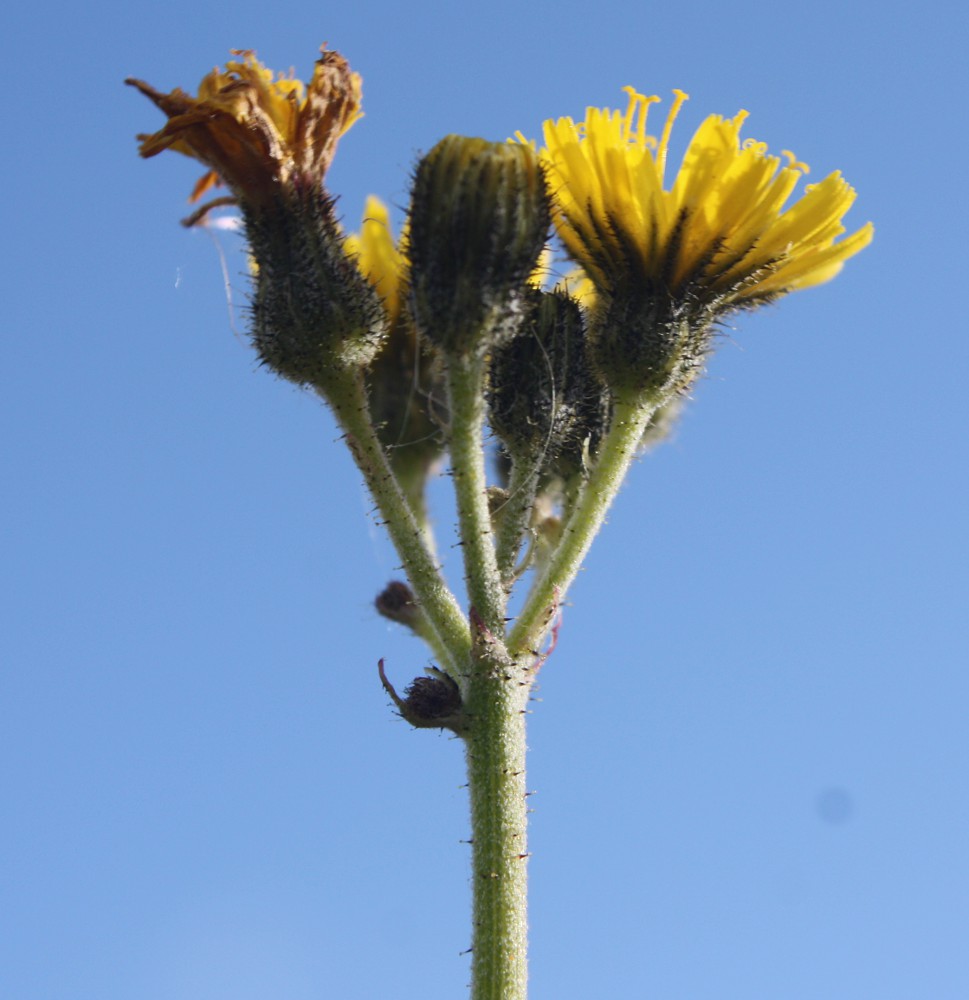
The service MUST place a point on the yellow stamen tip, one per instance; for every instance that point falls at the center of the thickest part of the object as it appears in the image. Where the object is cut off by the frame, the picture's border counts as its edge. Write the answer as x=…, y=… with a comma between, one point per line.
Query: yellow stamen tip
x=793, y=163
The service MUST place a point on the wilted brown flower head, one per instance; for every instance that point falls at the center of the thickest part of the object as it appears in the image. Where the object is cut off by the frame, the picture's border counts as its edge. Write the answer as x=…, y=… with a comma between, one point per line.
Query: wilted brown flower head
x=254, y=133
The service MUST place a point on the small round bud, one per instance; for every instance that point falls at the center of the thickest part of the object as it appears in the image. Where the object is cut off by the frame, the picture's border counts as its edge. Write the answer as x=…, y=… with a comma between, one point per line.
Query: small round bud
x=479, y=219
x=397, y=602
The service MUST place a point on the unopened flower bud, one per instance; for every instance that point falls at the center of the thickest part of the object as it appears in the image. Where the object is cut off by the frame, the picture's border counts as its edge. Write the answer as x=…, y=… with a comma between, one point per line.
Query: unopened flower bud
x=397, y=602
x=479, y=219
x=546, y=403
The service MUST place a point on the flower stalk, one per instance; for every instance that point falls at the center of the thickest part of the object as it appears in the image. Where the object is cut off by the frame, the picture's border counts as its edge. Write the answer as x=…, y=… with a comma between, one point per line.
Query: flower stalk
x=347, y=398
x=514, y=516
x=617, y=452
x=465, y=375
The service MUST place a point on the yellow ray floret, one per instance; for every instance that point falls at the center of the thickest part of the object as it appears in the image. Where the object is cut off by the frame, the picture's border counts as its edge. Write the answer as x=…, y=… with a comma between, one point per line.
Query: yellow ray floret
x=722, y=229
x=255, y=132
x=380, y=258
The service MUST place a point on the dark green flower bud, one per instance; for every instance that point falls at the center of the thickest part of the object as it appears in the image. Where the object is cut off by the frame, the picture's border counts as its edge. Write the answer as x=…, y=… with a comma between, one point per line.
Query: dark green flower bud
x=479, y=219
x=547, y=405
x=314, y=314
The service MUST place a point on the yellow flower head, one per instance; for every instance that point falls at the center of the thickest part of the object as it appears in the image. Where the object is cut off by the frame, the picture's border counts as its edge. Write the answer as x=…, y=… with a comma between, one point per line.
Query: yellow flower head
x=718, y=234
x=256, y=133
x=403, y=383
x=379, y=257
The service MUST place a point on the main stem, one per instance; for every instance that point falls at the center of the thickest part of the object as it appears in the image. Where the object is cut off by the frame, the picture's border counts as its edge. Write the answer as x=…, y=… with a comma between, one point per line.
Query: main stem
x=496, y=704
x=495, y=694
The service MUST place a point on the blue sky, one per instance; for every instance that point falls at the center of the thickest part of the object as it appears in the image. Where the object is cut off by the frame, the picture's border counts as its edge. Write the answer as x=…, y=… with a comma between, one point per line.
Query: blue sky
x=749, y=750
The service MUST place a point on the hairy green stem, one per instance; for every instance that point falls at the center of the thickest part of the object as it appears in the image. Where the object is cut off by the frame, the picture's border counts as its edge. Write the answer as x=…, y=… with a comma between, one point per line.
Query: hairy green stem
x=348, y=398
x=413, y=483
x=496, y=707
x=465, y=379
x=616, y=452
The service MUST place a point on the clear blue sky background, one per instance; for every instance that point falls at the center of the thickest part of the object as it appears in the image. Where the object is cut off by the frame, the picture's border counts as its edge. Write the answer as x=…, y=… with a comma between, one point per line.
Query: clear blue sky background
x=750, y=751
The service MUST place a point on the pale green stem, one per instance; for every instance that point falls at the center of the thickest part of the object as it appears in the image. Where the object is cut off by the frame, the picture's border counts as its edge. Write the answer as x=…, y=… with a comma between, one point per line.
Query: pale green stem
x=616, y=452
x=495, y=704
x=515, y=515
x=413, y=485
x=465, y=378
x=348, y=399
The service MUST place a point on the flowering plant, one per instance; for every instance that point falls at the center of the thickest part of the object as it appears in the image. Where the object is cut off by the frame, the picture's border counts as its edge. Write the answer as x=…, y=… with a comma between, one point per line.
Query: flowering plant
x=419, y=344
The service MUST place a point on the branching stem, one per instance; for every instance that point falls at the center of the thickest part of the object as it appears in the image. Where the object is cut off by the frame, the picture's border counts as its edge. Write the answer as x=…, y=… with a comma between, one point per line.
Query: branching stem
x=616, y=452
x=348, y=398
